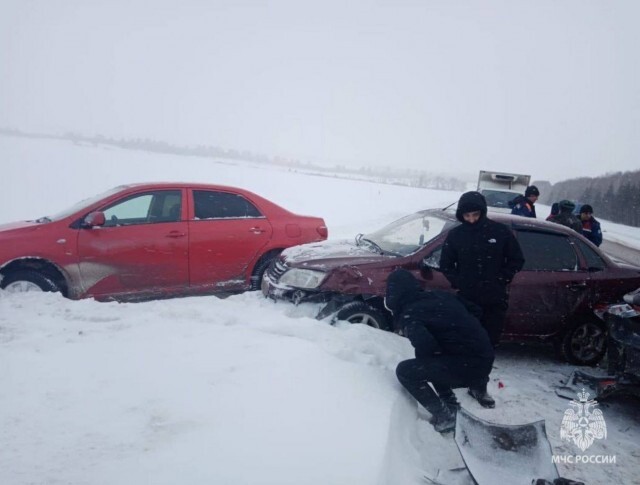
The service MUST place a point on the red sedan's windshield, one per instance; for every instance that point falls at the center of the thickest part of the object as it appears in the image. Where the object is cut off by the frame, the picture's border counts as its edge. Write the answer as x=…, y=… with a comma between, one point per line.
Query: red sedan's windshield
x=83, y=203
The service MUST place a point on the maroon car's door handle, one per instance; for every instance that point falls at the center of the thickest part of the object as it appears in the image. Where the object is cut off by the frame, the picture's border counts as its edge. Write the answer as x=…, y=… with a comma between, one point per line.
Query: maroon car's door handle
x=577, y=286
x=256, y=230
x=176, y=234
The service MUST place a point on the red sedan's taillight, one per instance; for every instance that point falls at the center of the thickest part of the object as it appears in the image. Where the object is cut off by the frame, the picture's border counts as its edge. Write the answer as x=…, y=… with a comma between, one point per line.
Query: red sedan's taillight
x=323, y=231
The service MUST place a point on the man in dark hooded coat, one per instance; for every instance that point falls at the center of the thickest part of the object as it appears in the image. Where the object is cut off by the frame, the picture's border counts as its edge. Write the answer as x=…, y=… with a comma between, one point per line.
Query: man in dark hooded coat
x=480, y=257
x=452, y=349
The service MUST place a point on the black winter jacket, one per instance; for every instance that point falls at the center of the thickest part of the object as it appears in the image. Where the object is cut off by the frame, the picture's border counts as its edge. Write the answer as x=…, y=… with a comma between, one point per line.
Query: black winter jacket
x=566, y=218
x=438, y=321
x=481, y=259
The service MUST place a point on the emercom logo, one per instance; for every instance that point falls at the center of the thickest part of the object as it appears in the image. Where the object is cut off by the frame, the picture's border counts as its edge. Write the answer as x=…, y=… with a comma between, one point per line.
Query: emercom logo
x=582, y=422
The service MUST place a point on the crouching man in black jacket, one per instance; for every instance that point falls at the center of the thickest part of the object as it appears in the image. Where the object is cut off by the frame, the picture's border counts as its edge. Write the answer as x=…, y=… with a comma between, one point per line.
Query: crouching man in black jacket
x=452, y=348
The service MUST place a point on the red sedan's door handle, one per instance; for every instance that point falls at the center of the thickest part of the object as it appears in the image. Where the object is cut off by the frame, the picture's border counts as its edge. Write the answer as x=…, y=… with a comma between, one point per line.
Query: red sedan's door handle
x=256, y=230
x=176, y=234
x=577, y=286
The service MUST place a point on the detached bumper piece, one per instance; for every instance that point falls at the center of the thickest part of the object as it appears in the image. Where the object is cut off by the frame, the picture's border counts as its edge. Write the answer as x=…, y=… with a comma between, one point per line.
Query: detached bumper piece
x=505, y=454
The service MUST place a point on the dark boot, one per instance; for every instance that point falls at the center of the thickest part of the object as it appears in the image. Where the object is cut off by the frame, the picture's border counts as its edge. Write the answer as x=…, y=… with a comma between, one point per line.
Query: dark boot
x=450, y=400
x=480, y=394
x=413, y=375
x=444, y=420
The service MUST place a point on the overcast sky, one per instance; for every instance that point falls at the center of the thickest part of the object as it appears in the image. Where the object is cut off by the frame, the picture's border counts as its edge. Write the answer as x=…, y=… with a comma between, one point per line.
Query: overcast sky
x=550, y=88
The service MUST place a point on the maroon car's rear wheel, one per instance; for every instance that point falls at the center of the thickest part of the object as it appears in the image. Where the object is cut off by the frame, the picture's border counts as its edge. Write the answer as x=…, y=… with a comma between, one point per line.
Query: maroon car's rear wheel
x=585, y=343
x=360, y=312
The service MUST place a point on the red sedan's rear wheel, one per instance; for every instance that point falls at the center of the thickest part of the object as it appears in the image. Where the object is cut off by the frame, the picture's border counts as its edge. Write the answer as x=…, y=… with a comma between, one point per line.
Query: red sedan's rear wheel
x=260, y=267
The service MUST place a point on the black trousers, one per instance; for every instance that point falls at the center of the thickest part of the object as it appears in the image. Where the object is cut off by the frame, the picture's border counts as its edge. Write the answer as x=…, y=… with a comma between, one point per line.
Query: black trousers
x=494, y=311
x=445, y=372
x=493, y=317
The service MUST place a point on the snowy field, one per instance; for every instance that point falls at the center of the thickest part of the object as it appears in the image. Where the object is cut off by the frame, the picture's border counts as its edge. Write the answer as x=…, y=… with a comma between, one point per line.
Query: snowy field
x=240, y=390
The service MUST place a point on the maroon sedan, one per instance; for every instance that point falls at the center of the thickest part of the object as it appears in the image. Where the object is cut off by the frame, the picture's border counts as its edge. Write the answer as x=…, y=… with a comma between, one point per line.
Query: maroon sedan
x=151, y=240
x=551, y=299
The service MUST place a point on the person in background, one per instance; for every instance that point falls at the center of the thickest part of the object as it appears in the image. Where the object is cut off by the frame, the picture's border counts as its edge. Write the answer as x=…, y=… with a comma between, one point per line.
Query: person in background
x=566, y=217
x=480, y=257
x=590, y=226
x=524, y=205
x=452, y=349
x=555, y=210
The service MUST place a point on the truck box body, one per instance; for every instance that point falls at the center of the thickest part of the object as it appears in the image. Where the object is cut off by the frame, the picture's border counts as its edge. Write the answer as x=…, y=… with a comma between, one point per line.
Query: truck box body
x=500, y=188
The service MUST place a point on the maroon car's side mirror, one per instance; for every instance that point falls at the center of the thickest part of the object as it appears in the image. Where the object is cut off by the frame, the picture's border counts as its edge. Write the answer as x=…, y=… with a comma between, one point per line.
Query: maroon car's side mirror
x=94, y=219
x=432, y=262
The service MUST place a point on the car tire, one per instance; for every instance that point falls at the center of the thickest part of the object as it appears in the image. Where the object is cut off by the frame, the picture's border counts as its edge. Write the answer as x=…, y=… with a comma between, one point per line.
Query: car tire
x=585, y=343
x=260, y=268
x=28, y=280
x=360, y=312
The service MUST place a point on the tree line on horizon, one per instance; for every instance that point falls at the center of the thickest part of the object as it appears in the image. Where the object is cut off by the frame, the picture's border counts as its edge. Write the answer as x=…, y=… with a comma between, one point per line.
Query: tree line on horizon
x=613, y=196
x=387, y=175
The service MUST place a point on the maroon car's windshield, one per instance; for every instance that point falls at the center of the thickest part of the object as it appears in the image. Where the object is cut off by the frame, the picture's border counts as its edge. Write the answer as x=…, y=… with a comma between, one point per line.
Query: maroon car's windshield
x=405, y=236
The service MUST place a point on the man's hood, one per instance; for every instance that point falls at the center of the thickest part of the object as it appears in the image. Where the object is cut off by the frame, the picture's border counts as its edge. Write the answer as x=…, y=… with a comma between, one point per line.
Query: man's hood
x=402, y=288
x=471, y=202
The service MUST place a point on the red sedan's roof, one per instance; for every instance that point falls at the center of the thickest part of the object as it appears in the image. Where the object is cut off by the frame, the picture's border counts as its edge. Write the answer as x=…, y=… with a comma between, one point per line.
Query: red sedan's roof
x=263, y=202
x=184, y=185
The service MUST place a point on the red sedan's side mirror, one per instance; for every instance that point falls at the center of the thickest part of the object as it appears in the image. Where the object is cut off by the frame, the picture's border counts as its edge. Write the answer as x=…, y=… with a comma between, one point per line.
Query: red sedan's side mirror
x=94, y=219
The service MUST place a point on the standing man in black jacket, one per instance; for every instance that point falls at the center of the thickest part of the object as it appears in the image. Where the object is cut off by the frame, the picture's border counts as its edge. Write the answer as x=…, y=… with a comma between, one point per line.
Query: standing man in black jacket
x=451, y=347
x=480, y=258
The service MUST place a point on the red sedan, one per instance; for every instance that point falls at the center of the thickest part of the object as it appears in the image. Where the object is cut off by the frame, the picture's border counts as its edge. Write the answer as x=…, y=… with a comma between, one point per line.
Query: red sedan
x=152, y=240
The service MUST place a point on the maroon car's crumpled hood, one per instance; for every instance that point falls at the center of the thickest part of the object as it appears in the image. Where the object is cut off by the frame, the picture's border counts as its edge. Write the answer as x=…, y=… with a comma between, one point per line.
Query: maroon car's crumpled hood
x=326, y=255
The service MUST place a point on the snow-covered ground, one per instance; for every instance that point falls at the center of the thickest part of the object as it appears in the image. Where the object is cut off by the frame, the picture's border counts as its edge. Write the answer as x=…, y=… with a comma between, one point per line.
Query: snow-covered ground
x=240, y=390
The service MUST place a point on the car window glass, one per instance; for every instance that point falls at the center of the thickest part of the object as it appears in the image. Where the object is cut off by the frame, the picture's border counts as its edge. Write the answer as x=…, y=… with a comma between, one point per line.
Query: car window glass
x=222, y=205
x=547, y=252
x=166, y=206
x=432, y=260
x=498, y=198
x=410, y=233
x=84, y=203
x=594, y=261
x=147, y=208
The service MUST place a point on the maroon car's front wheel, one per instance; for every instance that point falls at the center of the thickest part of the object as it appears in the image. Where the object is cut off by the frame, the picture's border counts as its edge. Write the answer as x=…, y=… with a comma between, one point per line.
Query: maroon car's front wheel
x=585, y=343
x=360, y=312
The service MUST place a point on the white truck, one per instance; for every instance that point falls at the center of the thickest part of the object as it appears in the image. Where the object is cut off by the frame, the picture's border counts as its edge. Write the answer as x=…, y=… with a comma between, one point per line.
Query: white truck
x=501, y=188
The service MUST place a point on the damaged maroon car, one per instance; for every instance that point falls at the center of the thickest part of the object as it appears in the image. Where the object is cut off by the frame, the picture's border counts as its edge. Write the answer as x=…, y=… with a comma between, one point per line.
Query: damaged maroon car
x=152, y=240
x=551, y=299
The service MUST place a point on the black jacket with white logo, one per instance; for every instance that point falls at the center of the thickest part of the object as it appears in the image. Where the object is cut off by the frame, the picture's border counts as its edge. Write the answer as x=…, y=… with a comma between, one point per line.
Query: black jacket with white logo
x=481, y=259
